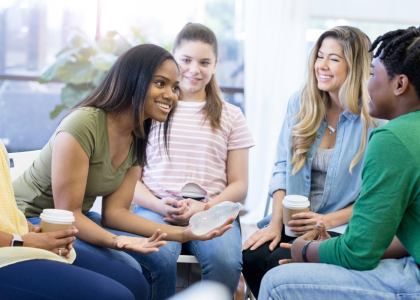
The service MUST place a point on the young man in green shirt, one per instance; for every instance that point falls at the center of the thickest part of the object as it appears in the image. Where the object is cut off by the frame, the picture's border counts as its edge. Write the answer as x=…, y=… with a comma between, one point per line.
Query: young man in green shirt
x=350, y=266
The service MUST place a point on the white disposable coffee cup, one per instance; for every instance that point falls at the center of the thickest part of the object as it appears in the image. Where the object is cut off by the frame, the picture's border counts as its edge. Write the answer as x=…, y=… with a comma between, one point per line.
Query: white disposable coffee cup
x=293, y=204
x=56, y=220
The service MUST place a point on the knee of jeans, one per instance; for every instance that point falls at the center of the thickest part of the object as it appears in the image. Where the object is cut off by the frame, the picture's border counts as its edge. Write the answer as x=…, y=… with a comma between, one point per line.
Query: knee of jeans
x=223, y=263
x=162, y=262
x=285, y=274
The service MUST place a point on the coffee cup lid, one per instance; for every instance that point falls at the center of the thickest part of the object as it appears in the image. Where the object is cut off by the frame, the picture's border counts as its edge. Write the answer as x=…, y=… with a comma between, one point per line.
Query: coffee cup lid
x=57, y=216
x=296, y=202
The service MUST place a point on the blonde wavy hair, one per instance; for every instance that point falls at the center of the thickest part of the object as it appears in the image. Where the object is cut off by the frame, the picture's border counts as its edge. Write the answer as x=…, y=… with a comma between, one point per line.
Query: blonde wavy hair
x=353, y=94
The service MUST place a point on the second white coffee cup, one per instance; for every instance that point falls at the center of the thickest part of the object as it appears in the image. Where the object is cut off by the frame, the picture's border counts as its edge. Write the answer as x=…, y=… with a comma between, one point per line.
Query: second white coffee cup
x=293, y=204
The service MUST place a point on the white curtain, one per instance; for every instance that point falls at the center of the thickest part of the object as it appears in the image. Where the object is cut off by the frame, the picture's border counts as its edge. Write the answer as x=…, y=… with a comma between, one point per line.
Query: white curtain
x=275, y=63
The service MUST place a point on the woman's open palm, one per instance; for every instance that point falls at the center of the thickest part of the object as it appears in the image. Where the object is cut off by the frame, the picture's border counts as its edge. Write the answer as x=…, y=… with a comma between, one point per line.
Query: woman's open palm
x=140, y=245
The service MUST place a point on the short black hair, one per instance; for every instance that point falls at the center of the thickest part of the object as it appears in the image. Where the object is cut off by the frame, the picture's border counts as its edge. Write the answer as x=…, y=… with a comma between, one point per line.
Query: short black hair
x=400, y=54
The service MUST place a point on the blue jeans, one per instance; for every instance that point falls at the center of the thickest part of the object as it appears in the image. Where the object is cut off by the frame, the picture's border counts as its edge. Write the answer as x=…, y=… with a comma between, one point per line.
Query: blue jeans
x=220, y=258
x=91, y=276
x=391, y=279
x=158, y=268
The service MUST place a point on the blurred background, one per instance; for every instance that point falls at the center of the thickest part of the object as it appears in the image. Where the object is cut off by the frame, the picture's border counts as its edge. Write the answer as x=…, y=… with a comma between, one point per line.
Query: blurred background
x=54, y=52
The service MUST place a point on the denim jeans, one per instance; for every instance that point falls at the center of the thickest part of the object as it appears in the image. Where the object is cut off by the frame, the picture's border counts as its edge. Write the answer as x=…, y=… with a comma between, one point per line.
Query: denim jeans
x=158, y=268
x=91, y=276
x=391, y=279
x=219, y=258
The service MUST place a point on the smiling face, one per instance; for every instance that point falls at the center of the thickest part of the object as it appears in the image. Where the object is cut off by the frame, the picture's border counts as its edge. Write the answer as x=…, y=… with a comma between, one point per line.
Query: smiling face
x=330, y=66
x=163, y=92
x=197, y=62
x=381, y=104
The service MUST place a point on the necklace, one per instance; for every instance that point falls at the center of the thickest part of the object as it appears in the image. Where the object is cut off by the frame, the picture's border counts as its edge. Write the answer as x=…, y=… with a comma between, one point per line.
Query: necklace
x=332, y=130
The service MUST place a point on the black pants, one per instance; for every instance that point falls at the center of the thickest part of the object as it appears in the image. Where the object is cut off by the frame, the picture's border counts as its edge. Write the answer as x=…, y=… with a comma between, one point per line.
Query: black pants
x=258, y=262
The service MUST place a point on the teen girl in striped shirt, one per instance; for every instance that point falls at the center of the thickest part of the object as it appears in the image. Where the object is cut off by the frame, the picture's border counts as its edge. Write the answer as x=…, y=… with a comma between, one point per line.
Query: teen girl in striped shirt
x=206, y=163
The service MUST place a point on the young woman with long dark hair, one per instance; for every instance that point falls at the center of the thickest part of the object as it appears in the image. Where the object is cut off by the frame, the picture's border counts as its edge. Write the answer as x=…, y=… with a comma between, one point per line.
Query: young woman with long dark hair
x=98, y=149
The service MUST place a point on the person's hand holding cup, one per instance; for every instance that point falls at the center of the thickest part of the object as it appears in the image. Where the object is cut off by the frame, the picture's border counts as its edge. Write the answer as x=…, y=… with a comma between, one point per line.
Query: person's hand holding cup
x=58, y=225
x=292, y=205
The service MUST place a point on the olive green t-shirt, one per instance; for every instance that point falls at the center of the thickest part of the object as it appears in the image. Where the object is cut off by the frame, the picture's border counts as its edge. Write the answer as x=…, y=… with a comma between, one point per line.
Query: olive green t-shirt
x=88, y=125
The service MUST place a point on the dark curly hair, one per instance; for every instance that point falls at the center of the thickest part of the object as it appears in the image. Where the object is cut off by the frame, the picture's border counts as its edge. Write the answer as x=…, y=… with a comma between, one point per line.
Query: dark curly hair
x=400, y=54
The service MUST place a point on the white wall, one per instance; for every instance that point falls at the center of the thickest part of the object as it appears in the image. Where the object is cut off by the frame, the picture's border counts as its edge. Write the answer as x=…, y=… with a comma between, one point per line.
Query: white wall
x=275, y=51
x=404, y=11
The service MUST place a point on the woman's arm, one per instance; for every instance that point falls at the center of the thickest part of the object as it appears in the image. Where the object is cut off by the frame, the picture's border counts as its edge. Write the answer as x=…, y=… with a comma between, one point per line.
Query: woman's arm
x=47, y=241
x=338, y=218
x=309, y=219
x=395, y=251
x=273, y=231
x=70, y=167
x=5, y=239
x=237, y=177
x=116, y=215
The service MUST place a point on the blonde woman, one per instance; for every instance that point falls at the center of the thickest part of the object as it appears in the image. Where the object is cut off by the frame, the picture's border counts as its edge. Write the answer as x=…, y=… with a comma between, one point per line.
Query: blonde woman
x=321, y=147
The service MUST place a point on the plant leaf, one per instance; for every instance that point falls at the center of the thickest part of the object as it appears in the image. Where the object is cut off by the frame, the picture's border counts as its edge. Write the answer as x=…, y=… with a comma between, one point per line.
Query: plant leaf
x=57, y=110
x=103, y=61
x=82, y=37
x=49, y=74
x=72, y=94
x=76, y=72
x=108, y=45
x=85, y=54
x=51, y=71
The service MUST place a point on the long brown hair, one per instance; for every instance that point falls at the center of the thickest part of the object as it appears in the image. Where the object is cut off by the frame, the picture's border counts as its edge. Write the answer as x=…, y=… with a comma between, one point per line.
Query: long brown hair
x=353, y=95
x=125, y=87
x=196, y=32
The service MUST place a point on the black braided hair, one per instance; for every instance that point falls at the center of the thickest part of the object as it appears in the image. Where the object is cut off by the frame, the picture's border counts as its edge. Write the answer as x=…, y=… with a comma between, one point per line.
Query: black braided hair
x=400, y=54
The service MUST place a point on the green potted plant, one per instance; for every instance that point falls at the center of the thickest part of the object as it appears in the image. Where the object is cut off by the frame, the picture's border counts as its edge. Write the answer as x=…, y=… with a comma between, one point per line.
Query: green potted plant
x=83, y=63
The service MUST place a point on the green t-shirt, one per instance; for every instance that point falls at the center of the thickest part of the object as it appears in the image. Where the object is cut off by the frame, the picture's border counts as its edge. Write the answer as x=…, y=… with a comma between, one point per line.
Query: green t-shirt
x=88, y=125
x=389, y=202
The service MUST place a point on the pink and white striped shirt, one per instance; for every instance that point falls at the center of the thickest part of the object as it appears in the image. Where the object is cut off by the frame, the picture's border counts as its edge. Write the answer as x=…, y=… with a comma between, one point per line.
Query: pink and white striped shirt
x=196, y=154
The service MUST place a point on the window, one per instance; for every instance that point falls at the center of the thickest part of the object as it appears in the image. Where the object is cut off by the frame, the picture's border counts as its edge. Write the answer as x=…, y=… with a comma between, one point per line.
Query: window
x=372, y=29
x=32, y=32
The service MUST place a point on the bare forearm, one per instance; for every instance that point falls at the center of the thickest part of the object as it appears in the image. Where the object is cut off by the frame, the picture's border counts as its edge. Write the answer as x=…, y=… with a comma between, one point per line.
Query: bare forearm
x=277, y=214
x=234, y=192
x=311, y=251
x=126, y=221
x=395, y=250
x=91, y=233
x=144, y=198
x=338, y=218
x=5, y=239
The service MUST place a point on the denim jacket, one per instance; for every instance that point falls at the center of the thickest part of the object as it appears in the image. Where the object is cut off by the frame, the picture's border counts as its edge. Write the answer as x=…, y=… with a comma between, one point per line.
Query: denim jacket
x=341, y=188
